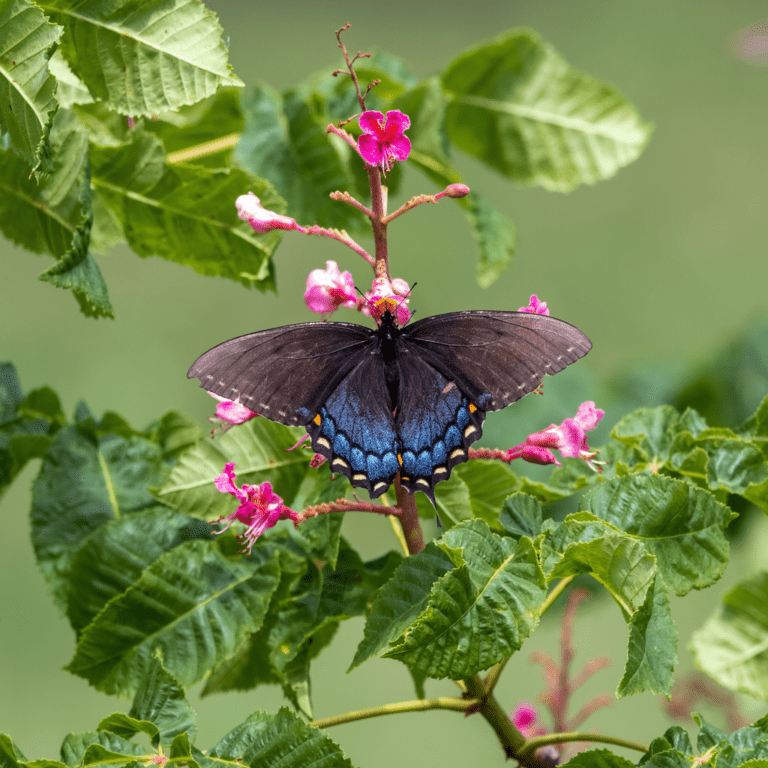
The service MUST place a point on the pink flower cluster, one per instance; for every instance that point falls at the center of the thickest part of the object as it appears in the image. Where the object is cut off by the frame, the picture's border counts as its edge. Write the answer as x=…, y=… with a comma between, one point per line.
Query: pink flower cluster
x=229, y=413
x=569, y=438
x=260, y=508
x=328, y=289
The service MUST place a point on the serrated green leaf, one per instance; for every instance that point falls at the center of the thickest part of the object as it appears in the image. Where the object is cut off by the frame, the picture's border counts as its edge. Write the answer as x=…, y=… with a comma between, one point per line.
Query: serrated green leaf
x=480, y=612
x=27, y=87
x=652, y=650
x=71, y=89
x=83, y=483
x=401, y=600
x=520, y=108
x=115, y=555
x=10, y=756
x=619, y=563
x=161, y=700
x=176, y=433
x=682, y=526
x=521, y=515
x=280, y=739
x=284, y=143
x=144, y=56
x=258, y=450
x=193, y=604
x=79, y=749
x=185, y=213
x=732, y=646
x=598, y=758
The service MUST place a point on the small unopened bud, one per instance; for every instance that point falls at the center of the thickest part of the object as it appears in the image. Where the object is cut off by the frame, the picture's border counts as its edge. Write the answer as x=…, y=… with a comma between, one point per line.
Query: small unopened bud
x=456, y=190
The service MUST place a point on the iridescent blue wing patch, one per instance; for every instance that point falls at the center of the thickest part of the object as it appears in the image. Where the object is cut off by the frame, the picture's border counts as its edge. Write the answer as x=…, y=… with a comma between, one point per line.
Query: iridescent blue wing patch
x=436, y=423
x=355, y=429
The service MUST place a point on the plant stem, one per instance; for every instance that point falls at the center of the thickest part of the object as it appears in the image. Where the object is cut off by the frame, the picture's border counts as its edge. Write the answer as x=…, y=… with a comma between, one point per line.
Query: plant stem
x=560, y=738
x=409, y=518
x=418, y=705
x=202, y=150
x=558, y=590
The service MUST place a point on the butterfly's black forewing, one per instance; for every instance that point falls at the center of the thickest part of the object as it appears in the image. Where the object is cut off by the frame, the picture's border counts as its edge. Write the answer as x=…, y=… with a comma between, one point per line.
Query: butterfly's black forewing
x=495, y=357
x=287, y=373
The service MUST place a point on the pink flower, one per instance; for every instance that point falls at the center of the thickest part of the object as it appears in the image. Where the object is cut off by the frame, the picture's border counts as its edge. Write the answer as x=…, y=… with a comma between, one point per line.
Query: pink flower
x=569, y=438
x=386, y=295
x=382, y=144
x=524, y=717
x=229, y=413
x=535, y=306
x=260, y=508
x=250, y=209
x=328, y=289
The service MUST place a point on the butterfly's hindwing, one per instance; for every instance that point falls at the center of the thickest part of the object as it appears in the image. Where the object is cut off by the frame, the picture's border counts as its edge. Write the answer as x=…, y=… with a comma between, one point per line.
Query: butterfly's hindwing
x=355, y=429
x=436, y=423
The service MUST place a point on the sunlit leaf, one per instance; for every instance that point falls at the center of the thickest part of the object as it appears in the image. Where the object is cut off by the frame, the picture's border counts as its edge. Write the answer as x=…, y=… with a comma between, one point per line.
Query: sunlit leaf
x=144, y=56
x=517, y=106
x=27, y=87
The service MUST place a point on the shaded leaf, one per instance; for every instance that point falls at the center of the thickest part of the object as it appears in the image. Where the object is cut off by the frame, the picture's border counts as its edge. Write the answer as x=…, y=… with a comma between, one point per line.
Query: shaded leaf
x=84, y=482
x=194, y=604
x=185, y=213
x=520, y=108
x=284, y=143
x=401, y=600
x=732, y=646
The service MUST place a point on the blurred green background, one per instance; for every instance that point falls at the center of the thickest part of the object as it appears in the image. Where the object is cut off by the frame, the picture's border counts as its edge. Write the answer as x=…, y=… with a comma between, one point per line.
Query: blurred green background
x=660, y=266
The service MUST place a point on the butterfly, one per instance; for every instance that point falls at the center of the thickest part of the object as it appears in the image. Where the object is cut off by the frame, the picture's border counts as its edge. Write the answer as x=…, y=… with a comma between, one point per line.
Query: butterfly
x=388, y=400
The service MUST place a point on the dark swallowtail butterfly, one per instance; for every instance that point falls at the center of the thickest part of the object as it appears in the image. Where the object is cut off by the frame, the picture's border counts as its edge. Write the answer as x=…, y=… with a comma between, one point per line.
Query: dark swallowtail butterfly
x=386, y=400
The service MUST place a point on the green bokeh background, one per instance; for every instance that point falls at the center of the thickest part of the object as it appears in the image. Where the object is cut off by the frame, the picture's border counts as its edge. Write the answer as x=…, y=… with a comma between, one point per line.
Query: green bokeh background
x=663, y=263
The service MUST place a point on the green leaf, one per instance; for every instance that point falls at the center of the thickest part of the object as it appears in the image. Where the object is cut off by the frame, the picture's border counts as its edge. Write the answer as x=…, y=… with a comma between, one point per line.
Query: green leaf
x=71, y=89
x=258, y=450
x=618, y=562
x=194, y=604
x=216, y=118
x=283, y=142
x=176, y=433
x=732, y=646
x=10, y=756
x=281, y=739
x=185, y=213
x=144, y=57
x=652, y=650
x=115, y=555
x=161, y=700
x=480, y=612
x=85, y=482
x=27, y=87
x=521, y=515
x=520, y=108
x=598, y=758
x=496, y=236
x=401, y=600
x=80, y=749
x=682, y=526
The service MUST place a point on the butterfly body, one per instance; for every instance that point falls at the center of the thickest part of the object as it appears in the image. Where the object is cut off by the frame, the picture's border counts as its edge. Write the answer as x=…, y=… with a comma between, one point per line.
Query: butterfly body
x=389, y=400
